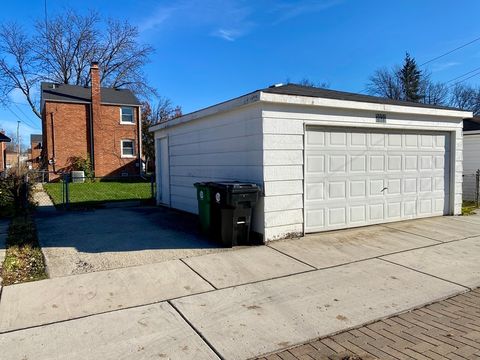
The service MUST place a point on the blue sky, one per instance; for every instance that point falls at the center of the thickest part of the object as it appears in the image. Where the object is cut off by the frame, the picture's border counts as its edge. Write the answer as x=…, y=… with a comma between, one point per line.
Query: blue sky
x=212, y=50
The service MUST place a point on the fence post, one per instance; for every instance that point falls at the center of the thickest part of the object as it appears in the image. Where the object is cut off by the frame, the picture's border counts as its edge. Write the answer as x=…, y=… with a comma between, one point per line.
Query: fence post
x=24, y=192
x=67, y=194
x=63, y=190
x=152, y=186
x=477, y=185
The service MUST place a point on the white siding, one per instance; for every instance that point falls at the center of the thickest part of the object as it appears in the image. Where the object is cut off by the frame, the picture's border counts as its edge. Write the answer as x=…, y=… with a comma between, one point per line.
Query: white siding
x=220, y=147
x=263, y=142
x=284, y=128
x=471, y=163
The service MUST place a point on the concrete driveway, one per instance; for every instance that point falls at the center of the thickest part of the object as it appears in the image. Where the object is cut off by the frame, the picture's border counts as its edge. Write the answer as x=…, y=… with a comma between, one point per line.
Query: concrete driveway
x=85, y=241
x=246, y=302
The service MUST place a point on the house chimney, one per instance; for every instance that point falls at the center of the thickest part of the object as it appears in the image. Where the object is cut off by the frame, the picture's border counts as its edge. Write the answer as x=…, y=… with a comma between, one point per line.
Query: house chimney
x=95, y=80
x=95, y=112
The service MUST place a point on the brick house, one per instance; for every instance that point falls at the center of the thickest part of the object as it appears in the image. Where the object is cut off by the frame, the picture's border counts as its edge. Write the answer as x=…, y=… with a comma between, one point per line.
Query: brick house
x=3, y=151
x=36, y=141
x=100, y=123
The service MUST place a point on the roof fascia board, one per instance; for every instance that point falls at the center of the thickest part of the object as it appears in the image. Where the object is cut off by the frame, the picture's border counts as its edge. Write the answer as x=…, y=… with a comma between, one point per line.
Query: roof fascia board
x=360, y=105
x=309, y=101
x=211, y=110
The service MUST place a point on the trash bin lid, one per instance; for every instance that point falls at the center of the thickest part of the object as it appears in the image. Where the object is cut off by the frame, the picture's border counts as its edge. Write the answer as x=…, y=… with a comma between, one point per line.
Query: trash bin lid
x=236, y=186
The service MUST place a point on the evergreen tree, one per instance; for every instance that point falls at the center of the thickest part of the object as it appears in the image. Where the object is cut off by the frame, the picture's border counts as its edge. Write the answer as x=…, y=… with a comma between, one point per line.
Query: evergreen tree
x=410, y=78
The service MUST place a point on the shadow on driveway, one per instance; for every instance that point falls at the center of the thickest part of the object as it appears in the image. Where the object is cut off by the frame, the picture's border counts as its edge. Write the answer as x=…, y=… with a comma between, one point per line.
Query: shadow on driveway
x=83, y=241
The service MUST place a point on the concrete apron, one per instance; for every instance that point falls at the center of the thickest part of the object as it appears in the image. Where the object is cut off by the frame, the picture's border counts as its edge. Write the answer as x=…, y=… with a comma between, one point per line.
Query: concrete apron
x=261, y=316
x=70, y=297
x=147, y=332
x=254, y=319
x=446, y=228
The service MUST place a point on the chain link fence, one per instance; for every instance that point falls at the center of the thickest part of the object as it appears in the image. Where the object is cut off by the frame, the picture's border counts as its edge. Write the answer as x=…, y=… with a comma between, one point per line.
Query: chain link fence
x=67, y=191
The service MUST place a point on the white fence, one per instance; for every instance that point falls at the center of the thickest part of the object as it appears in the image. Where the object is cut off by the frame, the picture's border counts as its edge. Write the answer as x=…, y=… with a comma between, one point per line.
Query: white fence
x=471, y=186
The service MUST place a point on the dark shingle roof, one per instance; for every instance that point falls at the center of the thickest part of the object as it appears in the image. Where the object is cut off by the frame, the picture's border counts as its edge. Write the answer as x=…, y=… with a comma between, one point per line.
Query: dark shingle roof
x=36, y=138
x=4, y=138
x=75, y=93
x=300, y=90
x=471, y=124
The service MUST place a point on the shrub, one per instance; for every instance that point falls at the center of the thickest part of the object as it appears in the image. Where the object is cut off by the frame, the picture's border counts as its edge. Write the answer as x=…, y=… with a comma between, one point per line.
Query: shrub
x=15, y=193
x=79, y=163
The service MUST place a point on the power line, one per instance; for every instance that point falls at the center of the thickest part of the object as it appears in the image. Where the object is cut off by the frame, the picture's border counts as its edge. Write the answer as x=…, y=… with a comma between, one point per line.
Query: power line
x=18, y=117
x=459, y=77
x=471, y=76
x=451, y=51
x=31, y=122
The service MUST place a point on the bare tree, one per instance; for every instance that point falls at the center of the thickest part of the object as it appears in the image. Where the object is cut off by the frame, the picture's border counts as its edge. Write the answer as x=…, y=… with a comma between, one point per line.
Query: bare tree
x=311, y=83
x=408, y=83
x=61, y=51
x=162, y=111
x=466, y=97
x=385, y=83
x=433, y=93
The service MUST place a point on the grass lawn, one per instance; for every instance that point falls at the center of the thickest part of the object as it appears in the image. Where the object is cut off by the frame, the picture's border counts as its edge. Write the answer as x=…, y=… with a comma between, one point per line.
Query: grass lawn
x=100, y=192
x=468, y=208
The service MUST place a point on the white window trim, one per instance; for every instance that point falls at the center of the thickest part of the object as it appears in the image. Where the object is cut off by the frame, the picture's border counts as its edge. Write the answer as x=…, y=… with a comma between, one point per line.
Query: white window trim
x=121, y=149
x=133, y=116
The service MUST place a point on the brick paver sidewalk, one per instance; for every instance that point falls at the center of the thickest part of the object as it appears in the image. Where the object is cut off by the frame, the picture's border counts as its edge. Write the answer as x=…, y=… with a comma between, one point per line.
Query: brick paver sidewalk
x=449, y=329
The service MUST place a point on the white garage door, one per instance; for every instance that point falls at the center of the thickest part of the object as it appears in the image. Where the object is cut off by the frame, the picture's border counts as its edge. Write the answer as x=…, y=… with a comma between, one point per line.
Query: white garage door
x=361, y=177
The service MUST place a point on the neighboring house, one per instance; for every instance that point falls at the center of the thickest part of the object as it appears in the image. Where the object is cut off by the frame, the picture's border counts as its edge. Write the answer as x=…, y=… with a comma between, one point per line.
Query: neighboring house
x=325, y=159
x=35, y=159
x=3, y=151
x=471, y=158
x=11, y=159
x=100, y=123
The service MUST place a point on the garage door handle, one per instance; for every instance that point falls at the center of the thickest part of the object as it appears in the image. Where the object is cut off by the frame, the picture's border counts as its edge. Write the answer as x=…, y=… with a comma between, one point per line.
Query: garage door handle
x=385, y=188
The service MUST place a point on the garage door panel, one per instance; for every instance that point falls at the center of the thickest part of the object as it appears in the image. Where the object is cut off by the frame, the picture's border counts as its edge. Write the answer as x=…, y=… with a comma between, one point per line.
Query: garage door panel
x=377, y=140
x=376, y=212
x=358, y=214
x=315, y=219
x=358, y=163
x=337, y=216
x=394, y=163
x=337, y=138
x=358, y=188
x=315, y=164
x=337, y=190
x=357, y=177
x=358, y=140
x=394, y=210
x=337, y=164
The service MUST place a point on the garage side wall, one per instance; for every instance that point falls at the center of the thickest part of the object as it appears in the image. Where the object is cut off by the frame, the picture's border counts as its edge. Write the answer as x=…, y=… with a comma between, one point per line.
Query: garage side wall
x=283, y=144
x=471, y=163
x=222, y=147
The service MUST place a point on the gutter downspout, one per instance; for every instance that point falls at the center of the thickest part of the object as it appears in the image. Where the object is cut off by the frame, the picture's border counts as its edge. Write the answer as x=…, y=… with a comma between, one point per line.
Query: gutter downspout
x=53, y=143
x=139, y=145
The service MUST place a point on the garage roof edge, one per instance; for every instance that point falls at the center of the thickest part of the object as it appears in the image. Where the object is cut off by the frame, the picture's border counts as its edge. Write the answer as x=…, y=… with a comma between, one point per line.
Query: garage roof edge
x=313, y=97
x=406, y=108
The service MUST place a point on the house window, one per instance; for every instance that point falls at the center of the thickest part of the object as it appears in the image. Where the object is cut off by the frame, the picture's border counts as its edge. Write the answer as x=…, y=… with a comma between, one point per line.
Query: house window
x=128, y=148
x=126, y=115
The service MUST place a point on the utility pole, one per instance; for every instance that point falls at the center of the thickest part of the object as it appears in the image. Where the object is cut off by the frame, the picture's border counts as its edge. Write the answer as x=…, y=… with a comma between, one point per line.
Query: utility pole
x=18, y=147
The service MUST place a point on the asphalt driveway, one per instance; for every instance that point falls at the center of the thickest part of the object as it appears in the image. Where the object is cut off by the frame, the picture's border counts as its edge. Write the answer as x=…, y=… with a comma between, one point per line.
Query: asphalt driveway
x=85, y=241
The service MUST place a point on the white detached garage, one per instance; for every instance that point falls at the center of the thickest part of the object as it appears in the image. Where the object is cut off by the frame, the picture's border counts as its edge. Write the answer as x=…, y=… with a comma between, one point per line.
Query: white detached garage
x=325, y=159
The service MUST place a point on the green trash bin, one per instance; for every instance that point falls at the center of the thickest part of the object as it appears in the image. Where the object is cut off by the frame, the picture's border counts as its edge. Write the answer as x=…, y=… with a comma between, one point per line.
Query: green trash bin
x=203, y=197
